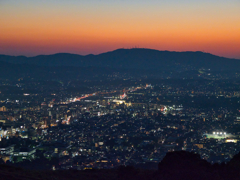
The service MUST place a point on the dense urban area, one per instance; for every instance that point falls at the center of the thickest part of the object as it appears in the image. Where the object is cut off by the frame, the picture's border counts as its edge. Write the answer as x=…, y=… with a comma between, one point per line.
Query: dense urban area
x=107, y=123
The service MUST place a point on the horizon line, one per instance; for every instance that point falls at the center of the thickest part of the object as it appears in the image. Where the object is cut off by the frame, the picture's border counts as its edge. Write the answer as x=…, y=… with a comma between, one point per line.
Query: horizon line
x=116, y=50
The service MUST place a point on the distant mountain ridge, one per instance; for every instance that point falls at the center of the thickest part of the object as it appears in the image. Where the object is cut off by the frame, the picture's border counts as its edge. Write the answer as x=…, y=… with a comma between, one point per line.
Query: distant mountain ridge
x=136, y=58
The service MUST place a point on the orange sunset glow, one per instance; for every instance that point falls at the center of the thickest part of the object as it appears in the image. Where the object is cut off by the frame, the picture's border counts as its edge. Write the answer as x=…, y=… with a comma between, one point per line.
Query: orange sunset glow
x=30, y=28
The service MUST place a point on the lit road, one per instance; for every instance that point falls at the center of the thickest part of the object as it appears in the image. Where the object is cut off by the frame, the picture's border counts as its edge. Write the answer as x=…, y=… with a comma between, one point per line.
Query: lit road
x=93, y=94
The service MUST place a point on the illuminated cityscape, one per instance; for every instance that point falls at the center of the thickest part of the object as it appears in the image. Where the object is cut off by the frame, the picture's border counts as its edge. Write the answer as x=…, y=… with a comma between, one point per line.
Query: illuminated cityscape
x=119, y=90
x=109, y=126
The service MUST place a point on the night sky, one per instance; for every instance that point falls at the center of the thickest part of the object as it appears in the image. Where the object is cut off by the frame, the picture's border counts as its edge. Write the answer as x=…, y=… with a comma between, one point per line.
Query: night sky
x=33, y=27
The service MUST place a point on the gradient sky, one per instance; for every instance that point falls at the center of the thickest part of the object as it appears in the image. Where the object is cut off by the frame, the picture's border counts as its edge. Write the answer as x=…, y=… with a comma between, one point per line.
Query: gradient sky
x=33, y=27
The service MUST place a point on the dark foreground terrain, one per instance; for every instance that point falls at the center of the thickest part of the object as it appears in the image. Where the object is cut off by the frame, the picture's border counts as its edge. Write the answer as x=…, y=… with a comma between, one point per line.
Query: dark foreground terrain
x=175, y=165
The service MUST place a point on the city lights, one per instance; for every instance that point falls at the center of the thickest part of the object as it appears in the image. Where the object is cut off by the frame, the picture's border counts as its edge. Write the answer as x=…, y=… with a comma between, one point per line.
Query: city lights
x=219, y=133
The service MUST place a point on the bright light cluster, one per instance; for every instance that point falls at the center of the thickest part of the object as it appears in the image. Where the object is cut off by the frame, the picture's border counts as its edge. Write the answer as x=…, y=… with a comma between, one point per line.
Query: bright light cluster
x=220, y=133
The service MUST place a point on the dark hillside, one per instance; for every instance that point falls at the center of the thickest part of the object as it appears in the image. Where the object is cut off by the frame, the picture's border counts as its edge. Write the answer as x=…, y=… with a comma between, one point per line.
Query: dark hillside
x=178, y=165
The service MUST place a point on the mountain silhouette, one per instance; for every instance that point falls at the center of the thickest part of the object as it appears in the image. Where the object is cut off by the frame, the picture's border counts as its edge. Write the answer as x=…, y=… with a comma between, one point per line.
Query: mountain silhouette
x=136, y=58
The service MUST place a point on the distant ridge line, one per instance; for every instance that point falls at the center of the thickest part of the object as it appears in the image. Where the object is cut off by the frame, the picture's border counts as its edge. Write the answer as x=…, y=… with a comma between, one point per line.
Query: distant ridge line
x=131, y=48
x=134, y=58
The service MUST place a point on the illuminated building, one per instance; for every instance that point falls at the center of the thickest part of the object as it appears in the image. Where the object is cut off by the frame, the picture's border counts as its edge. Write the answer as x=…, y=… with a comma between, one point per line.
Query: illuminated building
x=3, y=109
x=231, y=140
x=7, y=150
x=122, y=102
x=24, y=154
x=123, y=96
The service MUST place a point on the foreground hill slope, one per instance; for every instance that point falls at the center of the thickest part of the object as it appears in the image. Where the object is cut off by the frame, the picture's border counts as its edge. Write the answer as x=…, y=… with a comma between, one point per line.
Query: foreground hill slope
x=179, y=165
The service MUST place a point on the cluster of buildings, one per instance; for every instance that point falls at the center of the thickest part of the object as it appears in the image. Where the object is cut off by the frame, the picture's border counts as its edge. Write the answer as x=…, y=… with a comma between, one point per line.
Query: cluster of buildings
x=135, y=126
